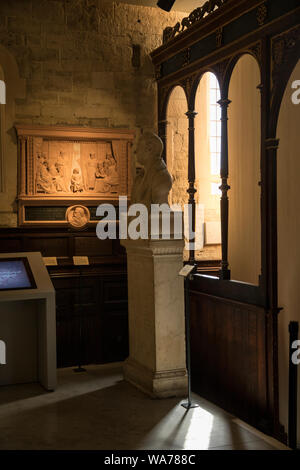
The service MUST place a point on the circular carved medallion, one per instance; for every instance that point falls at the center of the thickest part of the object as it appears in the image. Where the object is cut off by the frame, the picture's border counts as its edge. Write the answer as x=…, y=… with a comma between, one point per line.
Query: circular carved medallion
x=78, y=216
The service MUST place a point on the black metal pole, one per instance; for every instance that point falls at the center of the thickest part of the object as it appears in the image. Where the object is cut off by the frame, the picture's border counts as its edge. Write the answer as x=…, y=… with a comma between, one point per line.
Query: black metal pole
x=189, y=403
x=80, y=368
x=292, y=433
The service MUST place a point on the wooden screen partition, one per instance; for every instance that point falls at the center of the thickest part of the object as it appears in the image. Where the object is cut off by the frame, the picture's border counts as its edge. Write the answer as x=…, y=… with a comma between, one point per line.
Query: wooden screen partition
x=228, y=347
x=234, y=324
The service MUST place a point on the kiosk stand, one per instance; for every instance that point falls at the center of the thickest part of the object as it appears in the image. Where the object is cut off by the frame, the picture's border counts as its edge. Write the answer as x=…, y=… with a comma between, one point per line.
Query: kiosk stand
x=27, y=320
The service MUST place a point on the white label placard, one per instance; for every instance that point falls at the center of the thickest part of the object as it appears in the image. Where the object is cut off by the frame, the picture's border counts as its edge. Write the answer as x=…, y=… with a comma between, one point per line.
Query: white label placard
x=186, y=270
x=50, y=261
x=213, y=233
x=81, y=260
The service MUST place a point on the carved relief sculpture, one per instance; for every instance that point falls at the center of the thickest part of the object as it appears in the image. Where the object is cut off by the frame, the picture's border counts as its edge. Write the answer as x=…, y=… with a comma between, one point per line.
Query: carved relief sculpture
x=78, y=216
x=58, y=165
x=72, y=168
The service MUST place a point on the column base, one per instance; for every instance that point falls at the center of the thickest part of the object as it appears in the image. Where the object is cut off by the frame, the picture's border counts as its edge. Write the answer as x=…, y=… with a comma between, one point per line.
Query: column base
x=159, y=384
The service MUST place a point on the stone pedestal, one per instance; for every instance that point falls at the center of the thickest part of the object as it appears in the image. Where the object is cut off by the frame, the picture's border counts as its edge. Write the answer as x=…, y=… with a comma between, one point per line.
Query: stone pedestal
x=157, y=363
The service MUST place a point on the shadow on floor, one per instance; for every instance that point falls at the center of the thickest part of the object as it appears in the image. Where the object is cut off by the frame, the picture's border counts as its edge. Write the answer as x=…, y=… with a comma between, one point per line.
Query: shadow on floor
x=98, y=410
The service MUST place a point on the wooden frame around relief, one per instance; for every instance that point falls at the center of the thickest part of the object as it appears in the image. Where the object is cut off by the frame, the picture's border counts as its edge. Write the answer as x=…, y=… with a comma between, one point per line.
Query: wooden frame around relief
x=59, y=167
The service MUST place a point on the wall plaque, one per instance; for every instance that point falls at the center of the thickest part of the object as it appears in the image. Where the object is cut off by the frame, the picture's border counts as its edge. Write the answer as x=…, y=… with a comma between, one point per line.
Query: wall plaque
x=78, y=216
x=61, y=167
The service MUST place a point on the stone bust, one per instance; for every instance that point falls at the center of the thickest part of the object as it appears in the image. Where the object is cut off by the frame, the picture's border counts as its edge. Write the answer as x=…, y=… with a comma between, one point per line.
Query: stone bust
x=153, y=183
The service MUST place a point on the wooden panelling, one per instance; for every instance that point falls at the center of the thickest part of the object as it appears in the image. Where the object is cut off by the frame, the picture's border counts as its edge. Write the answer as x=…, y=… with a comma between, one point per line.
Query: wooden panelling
x=91, y=301
x=114, y=292
x=81, y=308
x=228, y=356
x=93, y=246
x=115, y=341
x=48, y=246
x=10, y=245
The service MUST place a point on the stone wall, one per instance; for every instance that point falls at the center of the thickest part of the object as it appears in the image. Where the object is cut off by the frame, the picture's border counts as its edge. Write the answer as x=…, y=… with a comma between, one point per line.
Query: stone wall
x=177, y=145
x=177, y=161
x=82, y=67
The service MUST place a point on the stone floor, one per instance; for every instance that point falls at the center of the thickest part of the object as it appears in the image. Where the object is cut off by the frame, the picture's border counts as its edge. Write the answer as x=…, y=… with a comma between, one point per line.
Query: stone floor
x=98, y=410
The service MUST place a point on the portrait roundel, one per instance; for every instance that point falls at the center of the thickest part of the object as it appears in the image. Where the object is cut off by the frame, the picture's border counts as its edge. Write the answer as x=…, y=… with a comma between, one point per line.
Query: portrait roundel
x=78, y=216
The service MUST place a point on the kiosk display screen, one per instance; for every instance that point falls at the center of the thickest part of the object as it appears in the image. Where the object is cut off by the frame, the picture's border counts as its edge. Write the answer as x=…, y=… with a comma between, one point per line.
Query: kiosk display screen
x=15, y=273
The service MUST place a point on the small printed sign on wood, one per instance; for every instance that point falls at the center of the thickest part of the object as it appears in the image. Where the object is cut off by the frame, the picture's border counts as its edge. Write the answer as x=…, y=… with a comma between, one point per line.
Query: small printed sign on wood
x=186, y=270
x=81, y=260
x=50, y=261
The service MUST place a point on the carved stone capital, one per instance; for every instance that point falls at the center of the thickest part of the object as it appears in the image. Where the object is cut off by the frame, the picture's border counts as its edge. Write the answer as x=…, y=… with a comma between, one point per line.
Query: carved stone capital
x=191, y=114
x=191, y=190
x=224, y=187
x=224, y=102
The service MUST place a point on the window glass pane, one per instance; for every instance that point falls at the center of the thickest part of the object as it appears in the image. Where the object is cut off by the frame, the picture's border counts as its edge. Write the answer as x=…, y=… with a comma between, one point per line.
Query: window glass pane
x=213, y=81
x=215, y=191
x=215, y=164
x=213, y=128
x=212, y=96
x=213, y=145
x=213, y=112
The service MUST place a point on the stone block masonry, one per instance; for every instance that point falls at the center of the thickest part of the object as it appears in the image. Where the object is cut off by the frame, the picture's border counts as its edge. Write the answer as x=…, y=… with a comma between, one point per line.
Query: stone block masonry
x=76, y=58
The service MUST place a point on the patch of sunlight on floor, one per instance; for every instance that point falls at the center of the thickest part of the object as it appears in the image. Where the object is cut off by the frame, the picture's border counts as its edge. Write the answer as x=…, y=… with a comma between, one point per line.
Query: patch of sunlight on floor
x=199, y=430
x=181, y=429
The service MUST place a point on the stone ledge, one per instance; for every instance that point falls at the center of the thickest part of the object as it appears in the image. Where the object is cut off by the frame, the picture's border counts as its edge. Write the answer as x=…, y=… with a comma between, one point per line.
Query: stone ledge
x=150, y=249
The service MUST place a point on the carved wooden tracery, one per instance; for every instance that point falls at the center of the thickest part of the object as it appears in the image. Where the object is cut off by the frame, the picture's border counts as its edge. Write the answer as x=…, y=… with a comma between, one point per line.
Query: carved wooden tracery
x=213, y=38
x=193, y=18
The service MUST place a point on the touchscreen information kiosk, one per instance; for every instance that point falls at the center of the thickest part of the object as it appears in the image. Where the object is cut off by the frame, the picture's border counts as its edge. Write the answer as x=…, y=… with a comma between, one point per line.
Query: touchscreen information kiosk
x=15, y=273
x=27, y=320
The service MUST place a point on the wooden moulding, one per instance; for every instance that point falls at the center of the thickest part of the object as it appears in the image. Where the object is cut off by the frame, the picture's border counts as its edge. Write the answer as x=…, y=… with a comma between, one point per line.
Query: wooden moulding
x=64, y=166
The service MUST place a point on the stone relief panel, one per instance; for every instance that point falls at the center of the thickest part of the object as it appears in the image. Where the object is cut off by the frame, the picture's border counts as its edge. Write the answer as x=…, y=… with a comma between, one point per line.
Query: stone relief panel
x=59, y=166
x=72, y=168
